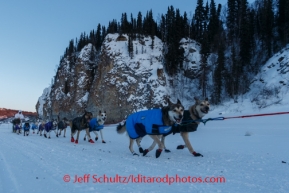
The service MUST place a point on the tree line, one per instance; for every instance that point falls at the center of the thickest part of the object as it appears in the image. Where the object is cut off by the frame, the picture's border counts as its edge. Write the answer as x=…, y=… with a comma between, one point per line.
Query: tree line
x=242, y=36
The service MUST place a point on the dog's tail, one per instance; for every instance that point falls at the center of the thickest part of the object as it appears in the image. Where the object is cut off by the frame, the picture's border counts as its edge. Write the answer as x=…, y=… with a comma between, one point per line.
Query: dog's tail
x=120, y=129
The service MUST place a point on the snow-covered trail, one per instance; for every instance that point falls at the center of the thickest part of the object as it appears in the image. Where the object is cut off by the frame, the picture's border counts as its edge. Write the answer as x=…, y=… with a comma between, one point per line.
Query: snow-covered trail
x=248, y=163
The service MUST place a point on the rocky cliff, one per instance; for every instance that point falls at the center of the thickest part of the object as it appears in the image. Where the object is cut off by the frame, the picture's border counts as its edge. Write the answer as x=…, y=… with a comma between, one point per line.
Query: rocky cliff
x=117, y=82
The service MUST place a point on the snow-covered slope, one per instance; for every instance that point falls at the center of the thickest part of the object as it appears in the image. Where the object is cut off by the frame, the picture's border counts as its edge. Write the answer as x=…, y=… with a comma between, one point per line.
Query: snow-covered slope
x=271, y=85
x=269, y=89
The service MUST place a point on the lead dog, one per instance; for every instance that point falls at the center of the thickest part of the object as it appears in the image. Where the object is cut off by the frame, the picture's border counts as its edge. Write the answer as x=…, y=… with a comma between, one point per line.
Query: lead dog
x=81, y=123
x=154, y=122
x=189, y=124
x=97, y=124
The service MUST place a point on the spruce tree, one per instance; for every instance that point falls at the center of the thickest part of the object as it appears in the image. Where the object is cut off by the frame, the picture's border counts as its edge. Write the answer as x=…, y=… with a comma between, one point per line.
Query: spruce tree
x=283, y=21
x=98, y=37
x=244, y=35
x=219, y=75
x=199, y=20
x=139, y=24
x=232, y=18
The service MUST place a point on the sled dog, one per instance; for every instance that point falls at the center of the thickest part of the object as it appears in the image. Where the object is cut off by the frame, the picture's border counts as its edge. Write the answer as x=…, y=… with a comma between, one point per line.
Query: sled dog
x=81, y=123
x=97, y=124
x=153, y=122
x=16, y=125
x=62, y=125
x=26, y=128
x=189, y=124
x=50, y=126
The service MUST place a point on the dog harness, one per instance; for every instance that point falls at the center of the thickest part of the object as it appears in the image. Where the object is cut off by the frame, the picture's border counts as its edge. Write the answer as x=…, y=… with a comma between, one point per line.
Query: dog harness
x=94, y=126
x=187, y=125
x=148, y=122
x=79, y=123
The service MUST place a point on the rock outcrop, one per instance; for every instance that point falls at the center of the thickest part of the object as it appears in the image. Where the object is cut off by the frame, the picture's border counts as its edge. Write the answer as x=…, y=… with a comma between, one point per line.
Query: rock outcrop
x=116, y=81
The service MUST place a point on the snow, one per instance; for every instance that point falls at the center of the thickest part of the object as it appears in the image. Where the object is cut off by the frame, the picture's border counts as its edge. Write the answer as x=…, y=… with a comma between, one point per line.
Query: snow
x=247, y=153
x=144, y=63
x=42, y=99
x=85, y=52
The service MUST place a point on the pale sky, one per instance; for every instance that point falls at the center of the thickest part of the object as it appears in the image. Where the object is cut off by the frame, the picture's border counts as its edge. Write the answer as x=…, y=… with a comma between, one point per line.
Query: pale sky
x=35, y=33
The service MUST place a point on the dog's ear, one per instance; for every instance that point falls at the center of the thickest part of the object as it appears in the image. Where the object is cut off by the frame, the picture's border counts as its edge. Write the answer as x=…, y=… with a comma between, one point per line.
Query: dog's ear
x=197, y=100
x=99, y=111
x=179, y=102
x=169, y=102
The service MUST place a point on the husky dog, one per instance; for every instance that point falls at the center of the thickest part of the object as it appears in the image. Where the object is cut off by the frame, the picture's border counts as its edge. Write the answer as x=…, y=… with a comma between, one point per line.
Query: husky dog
x=26, y=128
x=189, y=124
x=50, y=126
x=41, y=127
x=81, y=123
x=16, y=126
x=154, y=122
x=62, y=125
x=34, y=127
x=97, y=124
x=54, y=125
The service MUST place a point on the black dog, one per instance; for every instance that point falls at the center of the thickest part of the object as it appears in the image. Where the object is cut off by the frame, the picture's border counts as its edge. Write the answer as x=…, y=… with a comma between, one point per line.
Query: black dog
x=81, y=123
x=15, y=122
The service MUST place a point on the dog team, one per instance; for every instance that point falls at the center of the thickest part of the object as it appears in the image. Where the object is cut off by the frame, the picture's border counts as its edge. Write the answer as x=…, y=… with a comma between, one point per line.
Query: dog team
x=46, y=127
x=157, y=123
x=40, y=127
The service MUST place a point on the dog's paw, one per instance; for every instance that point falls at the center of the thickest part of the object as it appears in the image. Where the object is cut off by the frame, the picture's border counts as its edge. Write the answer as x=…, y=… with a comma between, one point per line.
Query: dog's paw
x=180, y=147
x=197, y=154
x=96, y=138
x=135, y=154
x=84, y=139
x=145, y=152
x=103, y=141
x=140, y=150
x=158, y=152
x=167, y=150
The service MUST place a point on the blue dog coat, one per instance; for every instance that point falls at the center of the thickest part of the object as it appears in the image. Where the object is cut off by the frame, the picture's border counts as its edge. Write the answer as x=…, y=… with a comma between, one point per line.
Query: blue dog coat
x=48, y=126
x=34, y=126
x=146, y=122
x=94, y=126
x=26, y=127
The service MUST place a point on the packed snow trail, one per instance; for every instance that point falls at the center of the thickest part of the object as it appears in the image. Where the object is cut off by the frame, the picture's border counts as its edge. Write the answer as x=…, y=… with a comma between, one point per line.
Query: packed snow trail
x=247, y=153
